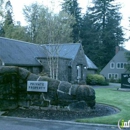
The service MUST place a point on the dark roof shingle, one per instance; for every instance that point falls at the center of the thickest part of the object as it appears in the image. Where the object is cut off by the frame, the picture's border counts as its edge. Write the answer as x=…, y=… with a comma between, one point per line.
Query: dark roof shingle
x=90, y=64
x=66, y=50
x=15, y=52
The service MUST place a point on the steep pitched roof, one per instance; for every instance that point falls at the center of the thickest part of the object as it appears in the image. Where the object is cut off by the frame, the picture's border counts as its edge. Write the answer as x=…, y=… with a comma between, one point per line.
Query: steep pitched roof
x=120, y=56
x=90, y=64
x=15, y=52
x=66, y=50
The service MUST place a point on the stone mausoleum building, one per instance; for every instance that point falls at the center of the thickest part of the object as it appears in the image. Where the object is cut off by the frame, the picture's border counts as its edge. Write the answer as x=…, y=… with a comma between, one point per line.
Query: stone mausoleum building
x=72, y=64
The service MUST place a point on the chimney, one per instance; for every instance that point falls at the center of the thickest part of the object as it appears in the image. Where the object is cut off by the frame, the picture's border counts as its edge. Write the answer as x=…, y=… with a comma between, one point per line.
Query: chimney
x=117, y=49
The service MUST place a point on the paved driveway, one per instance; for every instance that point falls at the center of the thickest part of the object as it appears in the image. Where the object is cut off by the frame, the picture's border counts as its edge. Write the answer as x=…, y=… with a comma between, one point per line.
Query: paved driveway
x=111, y=85
x=115, y=84
x=9, y=123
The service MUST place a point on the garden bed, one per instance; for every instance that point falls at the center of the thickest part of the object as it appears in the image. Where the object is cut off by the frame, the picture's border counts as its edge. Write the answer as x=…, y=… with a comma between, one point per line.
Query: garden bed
x=62, y=114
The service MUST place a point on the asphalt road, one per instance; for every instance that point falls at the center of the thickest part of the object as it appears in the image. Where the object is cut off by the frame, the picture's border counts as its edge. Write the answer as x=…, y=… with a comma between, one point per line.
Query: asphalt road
x=10, y=123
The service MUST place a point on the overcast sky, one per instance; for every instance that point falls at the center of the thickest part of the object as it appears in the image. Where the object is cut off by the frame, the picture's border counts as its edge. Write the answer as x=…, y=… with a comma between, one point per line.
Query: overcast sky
x=19, y=4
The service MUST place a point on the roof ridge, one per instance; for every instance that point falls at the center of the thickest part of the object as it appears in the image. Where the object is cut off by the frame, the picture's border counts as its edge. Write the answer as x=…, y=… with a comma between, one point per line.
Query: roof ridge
x=61, y=43
x=10, y=39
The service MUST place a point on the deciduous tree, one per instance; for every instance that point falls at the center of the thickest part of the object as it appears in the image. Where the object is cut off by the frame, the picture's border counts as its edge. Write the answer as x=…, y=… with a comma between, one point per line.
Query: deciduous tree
x=31, y=14
x=46, y=27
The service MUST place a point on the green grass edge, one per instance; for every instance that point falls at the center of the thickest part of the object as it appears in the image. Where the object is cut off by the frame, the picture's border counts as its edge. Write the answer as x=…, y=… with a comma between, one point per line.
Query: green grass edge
x=114, y=98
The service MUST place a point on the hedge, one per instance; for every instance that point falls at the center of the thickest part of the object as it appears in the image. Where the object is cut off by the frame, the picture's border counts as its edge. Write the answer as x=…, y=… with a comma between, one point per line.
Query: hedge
x=96, y=79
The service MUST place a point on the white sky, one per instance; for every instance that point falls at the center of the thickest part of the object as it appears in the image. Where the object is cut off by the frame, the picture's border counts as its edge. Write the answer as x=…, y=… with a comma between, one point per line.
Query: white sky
x=19, y=4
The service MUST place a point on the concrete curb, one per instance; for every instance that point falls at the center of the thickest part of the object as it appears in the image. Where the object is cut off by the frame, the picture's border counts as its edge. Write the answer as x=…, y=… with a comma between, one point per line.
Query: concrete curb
x=124, y=89
x=57, y=121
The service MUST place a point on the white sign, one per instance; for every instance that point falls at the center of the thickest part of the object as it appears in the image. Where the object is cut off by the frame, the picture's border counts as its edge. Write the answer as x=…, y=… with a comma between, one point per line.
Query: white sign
x=128, y=80
x=37, y=86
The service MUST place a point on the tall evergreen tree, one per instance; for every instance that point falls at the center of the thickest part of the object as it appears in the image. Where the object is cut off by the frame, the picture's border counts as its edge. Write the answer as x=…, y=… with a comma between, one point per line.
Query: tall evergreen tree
x=127, y=67
x=8, y=27
x=1, y=17
x=1, y=3
x=101, y=31
x=8, y=22
x=72, y=8
x=127, y=55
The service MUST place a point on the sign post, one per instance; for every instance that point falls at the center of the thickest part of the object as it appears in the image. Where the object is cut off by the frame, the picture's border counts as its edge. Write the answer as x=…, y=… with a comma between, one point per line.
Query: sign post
x=125, y=81
x=37, y=86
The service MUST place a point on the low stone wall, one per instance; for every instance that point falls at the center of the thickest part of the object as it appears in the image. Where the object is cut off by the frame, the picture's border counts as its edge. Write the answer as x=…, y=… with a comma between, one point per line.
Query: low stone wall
x=13, y=90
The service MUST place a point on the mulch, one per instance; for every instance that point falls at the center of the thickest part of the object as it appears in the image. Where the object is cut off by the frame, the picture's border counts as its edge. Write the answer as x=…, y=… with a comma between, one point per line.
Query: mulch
x=62, y=114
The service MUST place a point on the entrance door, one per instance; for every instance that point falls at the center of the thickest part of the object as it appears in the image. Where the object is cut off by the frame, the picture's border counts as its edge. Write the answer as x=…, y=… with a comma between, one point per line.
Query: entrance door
x=79, y=72
x=69, y=74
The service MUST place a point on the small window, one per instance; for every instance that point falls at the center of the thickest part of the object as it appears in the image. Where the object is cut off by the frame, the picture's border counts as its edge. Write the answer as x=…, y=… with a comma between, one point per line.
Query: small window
x=116, y=76
x=109, y=76
x=112, y=76
x=112, y=65
x=118, y=65
x=122, y=65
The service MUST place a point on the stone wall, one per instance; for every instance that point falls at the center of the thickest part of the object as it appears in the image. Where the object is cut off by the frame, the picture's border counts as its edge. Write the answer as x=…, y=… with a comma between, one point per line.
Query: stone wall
x=64, y=64
x=79, y=60
x=13, y=90
x=62, y=68
x=33, y=69
x=91, y=71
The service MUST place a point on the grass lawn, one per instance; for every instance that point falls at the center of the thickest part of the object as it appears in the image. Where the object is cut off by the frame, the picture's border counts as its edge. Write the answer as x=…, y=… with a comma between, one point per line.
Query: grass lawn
x=118, y=99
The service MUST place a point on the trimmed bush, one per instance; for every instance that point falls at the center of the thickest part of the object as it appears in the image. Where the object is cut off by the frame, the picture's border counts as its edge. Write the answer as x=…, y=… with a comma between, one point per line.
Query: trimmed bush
x=96, y=79
x=112, y=80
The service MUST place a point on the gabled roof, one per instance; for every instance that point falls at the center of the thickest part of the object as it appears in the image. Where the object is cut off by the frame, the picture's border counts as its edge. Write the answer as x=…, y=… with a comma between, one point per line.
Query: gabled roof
x=120, y=56
x=90, y=64
x=66, y=50
x=15, y=52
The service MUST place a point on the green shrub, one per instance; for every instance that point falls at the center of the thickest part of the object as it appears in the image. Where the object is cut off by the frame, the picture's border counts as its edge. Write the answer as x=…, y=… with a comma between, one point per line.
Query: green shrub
x=96, y=79
x=112, y=80
x=118, y=80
